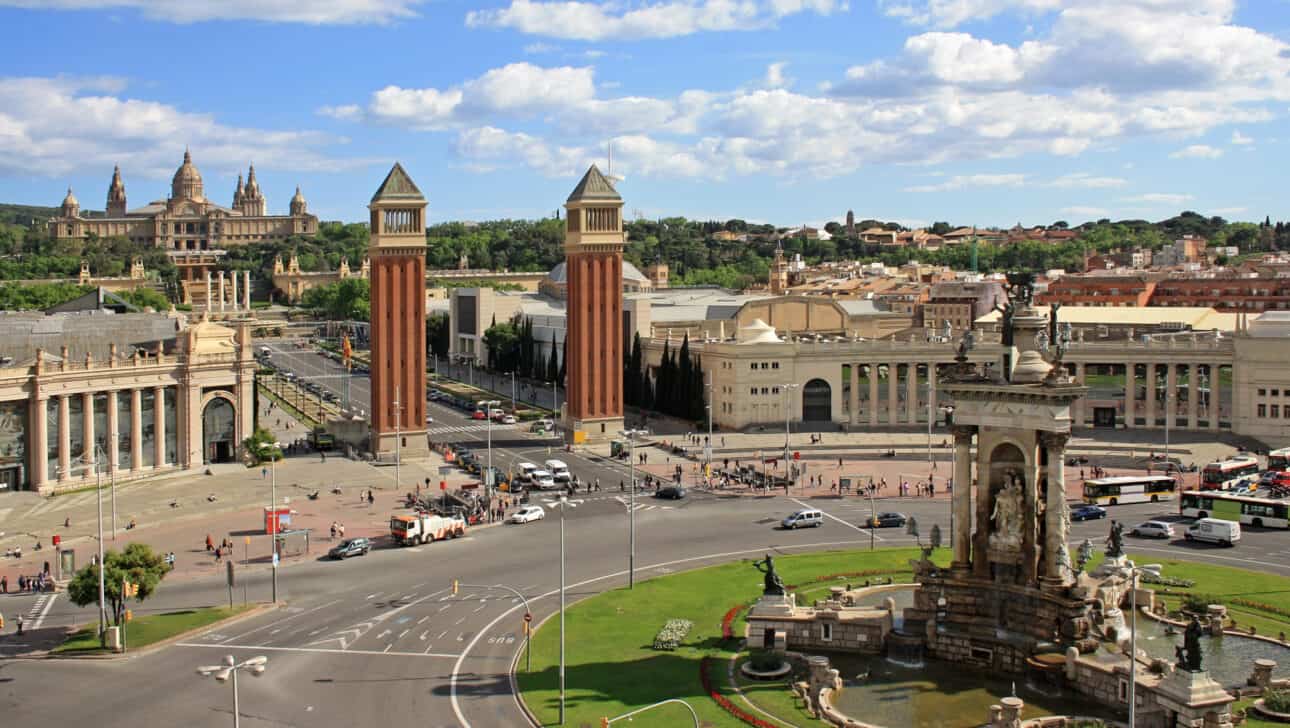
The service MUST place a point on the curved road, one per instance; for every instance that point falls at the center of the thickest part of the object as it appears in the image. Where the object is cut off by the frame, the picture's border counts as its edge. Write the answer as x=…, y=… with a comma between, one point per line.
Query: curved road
x=380, y=640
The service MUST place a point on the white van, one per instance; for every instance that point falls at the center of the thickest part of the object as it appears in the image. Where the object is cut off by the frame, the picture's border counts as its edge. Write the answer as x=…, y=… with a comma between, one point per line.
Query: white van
x=542, y=480
x=1214, y=531
x=803, y=519
x=559, y=471
x=524, y=471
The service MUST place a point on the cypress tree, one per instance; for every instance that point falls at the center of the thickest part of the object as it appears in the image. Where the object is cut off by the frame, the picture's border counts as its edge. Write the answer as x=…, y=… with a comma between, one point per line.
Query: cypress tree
x=662, y=386
x=553, y=364
x=564, y=360
x=685, y=379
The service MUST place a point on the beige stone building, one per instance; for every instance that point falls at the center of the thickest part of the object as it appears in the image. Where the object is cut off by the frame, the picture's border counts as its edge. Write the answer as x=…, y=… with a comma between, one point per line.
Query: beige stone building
x=293, y=282
x=138, y=393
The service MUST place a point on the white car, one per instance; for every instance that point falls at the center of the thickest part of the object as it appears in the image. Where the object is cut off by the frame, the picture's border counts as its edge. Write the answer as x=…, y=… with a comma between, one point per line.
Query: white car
x=528, y=513
x=508, y=419
x=1153, y=529
x=542, y=480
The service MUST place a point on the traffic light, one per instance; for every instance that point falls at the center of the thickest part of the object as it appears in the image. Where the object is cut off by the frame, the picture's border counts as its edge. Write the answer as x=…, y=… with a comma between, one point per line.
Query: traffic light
x=129, y=589
x=129, y=615
x=604, y=723
x=1, y=621
x=455, y=585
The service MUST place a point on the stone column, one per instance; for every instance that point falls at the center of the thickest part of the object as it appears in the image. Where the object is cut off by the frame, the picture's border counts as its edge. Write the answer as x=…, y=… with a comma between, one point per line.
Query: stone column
x=873, y=395
x=893, y=393
x=1171, y=394
x=136, y=429
x=854, y=400
x=246, y=290
x=39, y=455
x=1212, y=410
x=233, y=298
x=87, y=433
x=1151, y=395
x=1193, y=396
x=1055, y=515
x=210, y=299
x=1081, y=415
x=114, y=432
x=961, y=539
x=64, y=438
x=221, y=291
x=931, y=391
x=159, y=426
x=1130, y=393
x=911, y=393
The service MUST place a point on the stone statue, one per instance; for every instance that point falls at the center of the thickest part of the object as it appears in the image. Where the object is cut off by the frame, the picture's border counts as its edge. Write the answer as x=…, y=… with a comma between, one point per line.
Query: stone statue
x=1115, y=541
x=1041, y=341
x=773, y=587
x=1085, y=553
x=1189, y=654
x=1007, y=512
x=1054, y=331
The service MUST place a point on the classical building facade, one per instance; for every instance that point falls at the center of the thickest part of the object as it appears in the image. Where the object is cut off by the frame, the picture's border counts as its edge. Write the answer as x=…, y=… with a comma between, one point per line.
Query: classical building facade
x=398, y=323
x=593, y=248
x=186, y=220
x=293, y=282
x=137, y=393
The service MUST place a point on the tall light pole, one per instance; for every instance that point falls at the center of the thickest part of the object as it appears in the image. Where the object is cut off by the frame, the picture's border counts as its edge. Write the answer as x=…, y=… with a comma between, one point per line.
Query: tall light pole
x=98, y=499
x=488, y=479
x=708, y=471
x=398, y=441
x=513, y=392
x=273, y=514
x=1133, y=639
x=788, y=410
x=230, y=668
x=631, y=436
x=562, y=503
x=555, y=400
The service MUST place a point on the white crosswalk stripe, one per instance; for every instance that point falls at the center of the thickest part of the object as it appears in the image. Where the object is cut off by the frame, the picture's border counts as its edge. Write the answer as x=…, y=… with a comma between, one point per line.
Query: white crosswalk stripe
x=467, y=428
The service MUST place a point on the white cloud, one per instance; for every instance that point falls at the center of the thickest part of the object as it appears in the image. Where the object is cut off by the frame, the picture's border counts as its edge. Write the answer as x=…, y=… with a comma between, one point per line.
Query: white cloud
x=1240, y=139
x=1084, y=180
x=313, y=12
x=1160, y=198
x=580, y=20
x=959, y=182
x=344, y=112
x=1197, y=151
x=538, y=48
x=58, y=126
x=1088, y=212
x=775, y=77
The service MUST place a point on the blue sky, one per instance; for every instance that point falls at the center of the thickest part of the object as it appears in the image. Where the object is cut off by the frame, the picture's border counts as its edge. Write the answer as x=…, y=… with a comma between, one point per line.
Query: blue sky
x=986, y=112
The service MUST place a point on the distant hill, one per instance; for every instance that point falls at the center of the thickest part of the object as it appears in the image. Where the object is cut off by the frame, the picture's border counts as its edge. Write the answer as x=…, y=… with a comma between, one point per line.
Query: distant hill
x=24, y=214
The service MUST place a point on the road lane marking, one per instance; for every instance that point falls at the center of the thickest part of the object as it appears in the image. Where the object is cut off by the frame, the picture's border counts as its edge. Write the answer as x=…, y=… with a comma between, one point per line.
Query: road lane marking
x=866, y=531
x=404, y=632
x=423, y=636
x=318, y=650
x=280, y=621
x=44, y=612
x=419, y=621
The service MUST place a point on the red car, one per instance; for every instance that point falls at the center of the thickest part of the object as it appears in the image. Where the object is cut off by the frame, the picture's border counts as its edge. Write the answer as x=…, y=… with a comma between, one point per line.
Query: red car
x=479, y=415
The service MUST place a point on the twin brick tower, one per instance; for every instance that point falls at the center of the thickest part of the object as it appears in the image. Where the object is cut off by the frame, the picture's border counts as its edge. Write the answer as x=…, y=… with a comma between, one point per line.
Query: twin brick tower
x=593, y=247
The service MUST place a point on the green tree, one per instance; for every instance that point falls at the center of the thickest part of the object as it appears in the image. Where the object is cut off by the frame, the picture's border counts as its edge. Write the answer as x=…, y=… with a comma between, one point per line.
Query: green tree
x=437, y=334
x=136, y=563
x=345, y=300
x=146, y=297
x=502, y=341
x=262, y=446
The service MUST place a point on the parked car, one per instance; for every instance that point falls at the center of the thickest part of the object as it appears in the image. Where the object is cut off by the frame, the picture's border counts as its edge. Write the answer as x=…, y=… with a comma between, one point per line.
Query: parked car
x=1153, y=529
x=888, y=520
x=479, y=415
x=350, y=547
x=528, y=513
x=1087, y=513
x=672, y=492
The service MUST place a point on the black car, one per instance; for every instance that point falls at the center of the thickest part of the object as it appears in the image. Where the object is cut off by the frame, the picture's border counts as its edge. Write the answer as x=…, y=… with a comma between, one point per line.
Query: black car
x=888, y=520
x=350, y=547
x=672, y=492
x=1087, y=513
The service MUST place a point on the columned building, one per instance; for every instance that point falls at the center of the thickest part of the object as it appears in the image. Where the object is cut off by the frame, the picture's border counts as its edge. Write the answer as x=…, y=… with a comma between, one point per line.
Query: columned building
x=593, y=248
x=130, y=394
x=398, y=325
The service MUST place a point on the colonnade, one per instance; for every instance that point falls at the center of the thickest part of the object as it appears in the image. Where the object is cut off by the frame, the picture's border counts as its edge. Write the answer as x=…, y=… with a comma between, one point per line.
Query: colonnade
x=894, y=405
x=68, y=464
x=1167, y=400
x=223, y=303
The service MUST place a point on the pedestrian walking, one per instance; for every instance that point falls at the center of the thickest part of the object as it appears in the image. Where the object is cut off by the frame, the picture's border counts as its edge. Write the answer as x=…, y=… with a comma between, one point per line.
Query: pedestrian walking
x=18, y=621
x=4, y=585
x=210, y=543
x=218, y=554
x=370, y=498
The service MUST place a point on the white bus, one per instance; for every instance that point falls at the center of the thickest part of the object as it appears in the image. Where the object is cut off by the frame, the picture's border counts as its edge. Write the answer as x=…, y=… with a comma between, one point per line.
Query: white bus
x=1230, y=473
x=1279, y=459
x=1248, y=510
x=1129, y=489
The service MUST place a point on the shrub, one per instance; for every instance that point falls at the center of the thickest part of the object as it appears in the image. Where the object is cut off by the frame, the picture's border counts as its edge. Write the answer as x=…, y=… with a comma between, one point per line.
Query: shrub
x=764, y=660
x=1148, y=578
x=669, y=638
x=1277, y=700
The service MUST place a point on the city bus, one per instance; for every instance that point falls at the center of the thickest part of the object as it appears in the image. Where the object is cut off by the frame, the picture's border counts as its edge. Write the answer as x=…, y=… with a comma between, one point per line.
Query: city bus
x=1279, y=460
x=1230, y=473
x=1129, y=489
x=1247, y=510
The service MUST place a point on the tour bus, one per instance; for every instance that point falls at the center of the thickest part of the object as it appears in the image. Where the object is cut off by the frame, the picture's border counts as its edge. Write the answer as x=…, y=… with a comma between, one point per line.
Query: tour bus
x=1129, y=489
x=1279, y=460
x=1248, y=510
x=1230, y=473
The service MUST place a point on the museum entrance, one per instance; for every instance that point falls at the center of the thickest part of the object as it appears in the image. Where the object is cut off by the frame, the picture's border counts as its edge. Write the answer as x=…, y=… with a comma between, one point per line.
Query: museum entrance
x=1104, y=417
x=219, y=436
x=817, y=401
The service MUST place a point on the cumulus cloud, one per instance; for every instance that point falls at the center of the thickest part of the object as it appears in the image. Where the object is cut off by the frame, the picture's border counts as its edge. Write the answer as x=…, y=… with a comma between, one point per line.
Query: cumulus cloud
x=1087, y=212
x=1197, y=151
x=969, y=181
x=1159, y=198
x=1240, y=139
x=593, y=21
x=1085, y=180
x=313, y=12
x=775, y=77
x=58, y=126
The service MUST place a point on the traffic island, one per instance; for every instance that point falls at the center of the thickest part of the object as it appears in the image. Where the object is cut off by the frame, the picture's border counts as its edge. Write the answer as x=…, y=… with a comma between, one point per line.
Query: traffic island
x=153, y=629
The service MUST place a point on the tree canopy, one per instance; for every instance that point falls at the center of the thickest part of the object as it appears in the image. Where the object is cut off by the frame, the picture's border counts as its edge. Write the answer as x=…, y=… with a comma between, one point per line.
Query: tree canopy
x=137, y=563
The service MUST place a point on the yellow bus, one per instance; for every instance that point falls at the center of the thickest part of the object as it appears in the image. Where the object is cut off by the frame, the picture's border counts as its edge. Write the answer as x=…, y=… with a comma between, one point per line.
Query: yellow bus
x=1129, y=489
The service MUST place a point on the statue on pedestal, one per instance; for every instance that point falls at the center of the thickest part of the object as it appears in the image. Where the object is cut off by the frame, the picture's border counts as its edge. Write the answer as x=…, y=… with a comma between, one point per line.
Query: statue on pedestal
x=1007, y=512
x=1115, y=541
x=773, y=585
x=1189, y=654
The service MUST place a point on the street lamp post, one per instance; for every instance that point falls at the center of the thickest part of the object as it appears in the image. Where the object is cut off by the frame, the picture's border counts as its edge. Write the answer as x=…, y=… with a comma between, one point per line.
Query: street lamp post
x=788, y=409
x=273, y=514
x=1133, y=639
x=708, y=453
x=563, y=503
x=631, y=436
x=488, y=479
x=230, y=668
x=98, y=499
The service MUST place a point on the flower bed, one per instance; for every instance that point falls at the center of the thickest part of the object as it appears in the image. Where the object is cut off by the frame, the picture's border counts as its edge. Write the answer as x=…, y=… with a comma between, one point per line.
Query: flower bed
x=669, y=638
x=725, y=702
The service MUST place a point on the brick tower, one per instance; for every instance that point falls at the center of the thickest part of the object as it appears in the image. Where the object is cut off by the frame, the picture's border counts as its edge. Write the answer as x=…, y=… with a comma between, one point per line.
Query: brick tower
x=398, y=266
x=593, y=249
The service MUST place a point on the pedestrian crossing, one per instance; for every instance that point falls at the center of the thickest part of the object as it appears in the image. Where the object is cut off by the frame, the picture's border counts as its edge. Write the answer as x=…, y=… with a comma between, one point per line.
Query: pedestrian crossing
x=447, y=430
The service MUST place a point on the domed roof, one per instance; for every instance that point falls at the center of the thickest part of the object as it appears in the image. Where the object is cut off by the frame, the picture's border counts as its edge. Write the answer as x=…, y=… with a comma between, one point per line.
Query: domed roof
x=187, y=181
x=558, y=274
x=297, y=197
x=70, y=199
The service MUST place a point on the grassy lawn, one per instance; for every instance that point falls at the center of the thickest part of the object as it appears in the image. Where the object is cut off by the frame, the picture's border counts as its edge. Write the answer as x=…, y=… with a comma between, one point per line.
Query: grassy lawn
x=1226, y=584
x=611, y=667
x=143, y=631
x=774, y=697
x=1251, y=719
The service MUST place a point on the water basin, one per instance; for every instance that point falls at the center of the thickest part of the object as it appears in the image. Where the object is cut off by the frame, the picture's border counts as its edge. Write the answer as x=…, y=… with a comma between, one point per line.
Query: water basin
x=1229, y=659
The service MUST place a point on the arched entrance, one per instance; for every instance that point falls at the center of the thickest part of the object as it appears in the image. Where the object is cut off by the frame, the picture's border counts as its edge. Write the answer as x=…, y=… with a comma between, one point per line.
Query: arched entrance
x=817, y=401
x=219, y=432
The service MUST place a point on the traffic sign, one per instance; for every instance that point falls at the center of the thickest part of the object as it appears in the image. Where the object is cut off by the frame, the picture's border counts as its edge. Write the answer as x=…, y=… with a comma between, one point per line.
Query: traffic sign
x=528, y=617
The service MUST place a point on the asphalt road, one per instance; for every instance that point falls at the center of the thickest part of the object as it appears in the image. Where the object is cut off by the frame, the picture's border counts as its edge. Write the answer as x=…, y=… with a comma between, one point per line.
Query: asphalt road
x=380, y=640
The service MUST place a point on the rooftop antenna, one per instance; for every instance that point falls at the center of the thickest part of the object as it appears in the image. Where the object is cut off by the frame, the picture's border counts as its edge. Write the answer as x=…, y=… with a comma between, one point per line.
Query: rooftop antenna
x=609, y=172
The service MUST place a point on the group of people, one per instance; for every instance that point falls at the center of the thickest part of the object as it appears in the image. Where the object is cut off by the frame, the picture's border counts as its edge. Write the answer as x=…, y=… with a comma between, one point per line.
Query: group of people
x=337, y=530
x=41, y=582
x=225, y=547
